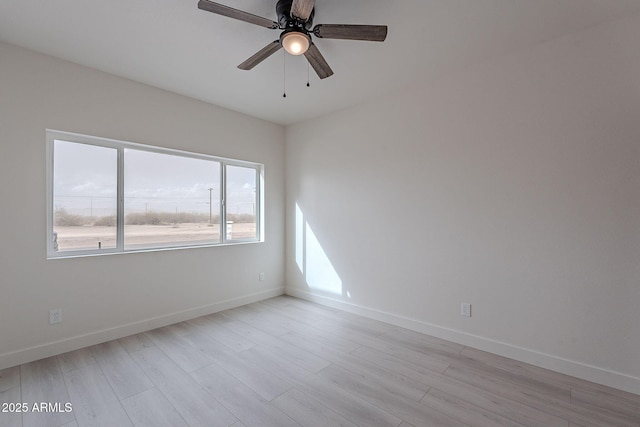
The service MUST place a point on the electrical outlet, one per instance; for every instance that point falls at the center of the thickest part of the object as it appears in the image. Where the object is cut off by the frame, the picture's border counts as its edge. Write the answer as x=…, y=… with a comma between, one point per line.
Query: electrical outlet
x=261, y=277
x=55, y=316
x=465, y=309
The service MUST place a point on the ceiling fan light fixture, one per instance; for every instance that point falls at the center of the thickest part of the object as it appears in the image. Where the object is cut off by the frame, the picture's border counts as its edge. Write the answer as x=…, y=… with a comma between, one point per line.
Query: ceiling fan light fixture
x=295, y=20
x=295, y=42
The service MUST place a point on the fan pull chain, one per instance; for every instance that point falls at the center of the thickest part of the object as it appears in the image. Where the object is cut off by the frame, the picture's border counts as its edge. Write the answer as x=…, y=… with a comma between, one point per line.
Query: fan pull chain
x=284, y=74
x=308, y=67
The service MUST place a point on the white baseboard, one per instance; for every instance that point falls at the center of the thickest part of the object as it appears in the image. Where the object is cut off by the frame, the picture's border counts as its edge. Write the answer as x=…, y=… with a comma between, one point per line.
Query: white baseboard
x=558, y=364
x=30, y=354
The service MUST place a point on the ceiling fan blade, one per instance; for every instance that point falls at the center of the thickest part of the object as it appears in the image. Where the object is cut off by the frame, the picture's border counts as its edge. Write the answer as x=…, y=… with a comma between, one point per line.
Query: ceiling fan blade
x=261, y=55
x=318, y=62
x=230, y=12
x=302, y=9
x=374, y=33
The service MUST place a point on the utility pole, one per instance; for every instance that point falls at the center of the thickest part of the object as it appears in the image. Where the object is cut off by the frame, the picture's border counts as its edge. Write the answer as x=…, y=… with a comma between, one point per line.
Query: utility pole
x=210, y=207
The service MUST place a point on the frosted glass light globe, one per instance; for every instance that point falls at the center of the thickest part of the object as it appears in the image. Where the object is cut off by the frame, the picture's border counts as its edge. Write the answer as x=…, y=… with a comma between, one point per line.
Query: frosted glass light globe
x=295, y=43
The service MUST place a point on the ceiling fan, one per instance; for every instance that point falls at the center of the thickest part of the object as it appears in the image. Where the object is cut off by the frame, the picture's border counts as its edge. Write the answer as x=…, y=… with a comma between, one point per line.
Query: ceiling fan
x=295, y=19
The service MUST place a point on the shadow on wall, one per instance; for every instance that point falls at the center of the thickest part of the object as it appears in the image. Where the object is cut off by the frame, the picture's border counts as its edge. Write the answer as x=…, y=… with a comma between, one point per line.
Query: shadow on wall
x=313, y=262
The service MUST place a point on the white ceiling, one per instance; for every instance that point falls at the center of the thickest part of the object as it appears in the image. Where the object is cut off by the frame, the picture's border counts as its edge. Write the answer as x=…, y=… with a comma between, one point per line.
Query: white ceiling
x=173, y=45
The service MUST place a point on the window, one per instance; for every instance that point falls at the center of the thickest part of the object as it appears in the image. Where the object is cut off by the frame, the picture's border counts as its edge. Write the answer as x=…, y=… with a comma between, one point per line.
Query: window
x=107, y=196
x=170, y=200
x=241, y=202
x=85, y=188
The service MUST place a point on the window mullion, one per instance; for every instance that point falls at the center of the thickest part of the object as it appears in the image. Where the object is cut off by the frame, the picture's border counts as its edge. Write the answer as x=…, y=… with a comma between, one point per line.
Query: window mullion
x=50, y=187
x=223, y=202
x=258, y=204
x=120, y=202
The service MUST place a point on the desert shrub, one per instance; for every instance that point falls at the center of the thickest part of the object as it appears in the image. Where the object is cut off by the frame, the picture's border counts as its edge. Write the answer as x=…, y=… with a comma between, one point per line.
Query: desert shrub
x=190, y=217
x=147, y=218
x=63, y=218
x=157, y=218
x=105, y=221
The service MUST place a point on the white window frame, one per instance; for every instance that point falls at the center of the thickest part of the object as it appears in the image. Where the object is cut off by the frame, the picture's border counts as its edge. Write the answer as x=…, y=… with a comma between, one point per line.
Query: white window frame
x=120, y=146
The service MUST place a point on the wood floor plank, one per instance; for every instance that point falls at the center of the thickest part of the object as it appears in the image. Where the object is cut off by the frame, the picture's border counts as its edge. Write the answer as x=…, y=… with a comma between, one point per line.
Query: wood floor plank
x=519, y=368
x=292, y=312
x=402, y=366
x=614, y=405
x=135, y=342
x=340, y=401
x=396, y=383
x=542, y=374
x=308, y=411
x=94, y=402
x=239, y=399
x=329, y=340
x=251, y=316
x=306, y=306
x=525, y=384
x=279, y=301
x=121, y=371
x=465, y=412
x=10, y=418
x=76, y=359
x=366, y=325
x=267, y=314
x=259, y=380
x=506, y=407
x=292, y=353
x=422, y=343
x=307, y=328
x=326, y=316
x=550, y=404
x=263, y=382
x=191, y=400
x=558, y=392
x=42, y=381
x=179, y=349
x=332, y=319
x=9, y=378
x=375, y=393
x=194, y=338
x=220, y=333
x=348, y=320
x=150, y=408
x=428, y=360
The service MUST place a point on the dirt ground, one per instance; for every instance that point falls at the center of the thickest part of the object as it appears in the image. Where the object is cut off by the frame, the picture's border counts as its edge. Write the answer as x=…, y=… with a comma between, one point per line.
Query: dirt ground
x=140, y=236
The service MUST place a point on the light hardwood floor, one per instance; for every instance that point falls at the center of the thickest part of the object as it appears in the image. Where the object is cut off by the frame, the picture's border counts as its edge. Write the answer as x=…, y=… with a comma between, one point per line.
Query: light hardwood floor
x=286, y=362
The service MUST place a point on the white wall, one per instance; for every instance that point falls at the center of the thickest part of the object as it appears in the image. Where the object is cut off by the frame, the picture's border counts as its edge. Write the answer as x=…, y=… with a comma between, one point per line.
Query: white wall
x=514, y=185
x=109, y=296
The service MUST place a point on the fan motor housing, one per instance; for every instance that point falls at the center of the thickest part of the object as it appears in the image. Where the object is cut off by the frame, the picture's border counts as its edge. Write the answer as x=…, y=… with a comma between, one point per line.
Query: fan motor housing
x=285, y=20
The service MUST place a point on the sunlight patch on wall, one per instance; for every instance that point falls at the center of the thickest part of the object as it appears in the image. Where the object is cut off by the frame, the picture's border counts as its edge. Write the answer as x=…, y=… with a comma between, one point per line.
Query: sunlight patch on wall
x=312, y=260
x=299, y=239
x=320, y=273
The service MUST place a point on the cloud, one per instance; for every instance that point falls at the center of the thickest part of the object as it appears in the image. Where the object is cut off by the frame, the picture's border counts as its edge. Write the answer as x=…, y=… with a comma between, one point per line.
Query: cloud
x=87, y=187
